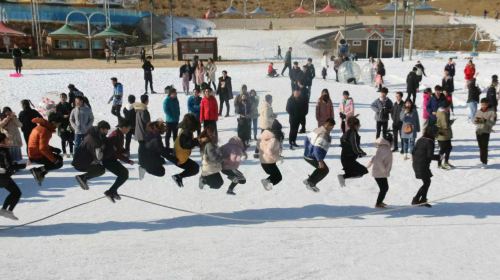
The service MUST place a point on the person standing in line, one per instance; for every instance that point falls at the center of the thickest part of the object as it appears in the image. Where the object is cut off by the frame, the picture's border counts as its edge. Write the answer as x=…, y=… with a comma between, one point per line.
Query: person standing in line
x=473, y=99
x=142, y=118
x=209, y=109
x=211, y=70
x=423, y=155
x=397, y=108
x=346, y=110
x=26, y=116
x=324, y=65
x=39, y=150
x=448, y=87
x=225, y=92
x=233, y=152
x=492, y=93
x=287, y=61
x=129, y=114
x=309, y=75
x=211, y=160
x=296, y=75
x=9, y=125
x=409, y=128
x=412, y=84
x=381, y=164
x=148, y=75
x=184, y=144
x=199, y=73
x=279, y=56
x=469, y=71
x=484, y=120
x=194, y=103
x=315, y=150
x=450, y=67
x=270, y=148
x=444, y=135
x=81, y=120
x=142, y=55
x=437, y=101
x=294, y=108
x=379, y=79
x=172, y=113
x=116, y=98
x=324, y=108
x=351, y=151
x=186, y=76
x=254, y=111
x=65, y=131
x=382, y=107
x=420, y=71
x=17, y=56
x=7, y=169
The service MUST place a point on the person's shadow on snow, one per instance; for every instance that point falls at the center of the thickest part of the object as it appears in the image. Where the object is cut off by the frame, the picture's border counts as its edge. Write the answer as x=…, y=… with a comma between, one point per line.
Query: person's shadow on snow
x=478, y=210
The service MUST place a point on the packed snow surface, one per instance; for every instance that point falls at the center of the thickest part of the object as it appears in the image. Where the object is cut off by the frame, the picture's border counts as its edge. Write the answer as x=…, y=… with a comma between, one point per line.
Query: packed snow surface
x=456, y=239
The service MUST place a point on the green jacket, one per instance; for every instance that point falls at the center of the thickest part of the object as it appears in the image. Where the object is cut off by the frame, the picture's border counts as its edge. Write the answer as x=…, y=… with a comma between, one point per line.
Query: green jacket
x=443, y=124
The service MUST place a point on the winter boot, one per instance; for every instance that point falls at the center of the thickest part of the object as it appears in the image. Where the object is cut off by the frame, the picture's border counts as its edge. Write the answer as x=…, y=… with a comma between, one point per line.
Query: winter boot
x=109, y=195
x=341, y=180
x=82, y=181
x=178, y=180
x=310, y=186
x=266, y=184
x=38, y=175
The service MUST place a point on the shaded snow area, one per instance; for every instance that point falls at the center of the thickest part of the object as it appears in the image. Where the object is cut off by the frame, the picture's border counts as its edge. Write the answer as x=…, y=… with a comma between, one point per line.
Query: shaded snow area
x=308, y=235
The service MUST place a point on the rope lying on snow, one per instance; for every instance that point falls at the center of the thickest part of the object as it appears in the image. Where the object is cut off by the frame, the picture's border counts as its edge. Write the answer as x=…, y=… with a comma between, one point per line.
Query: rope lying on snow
x=220, y=217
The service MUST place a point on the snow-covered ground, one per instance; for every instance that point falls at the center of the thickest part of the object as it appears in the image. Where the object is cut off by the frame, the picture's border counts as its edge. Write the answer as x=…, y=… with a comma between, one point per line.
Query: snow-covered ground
x=308, y=238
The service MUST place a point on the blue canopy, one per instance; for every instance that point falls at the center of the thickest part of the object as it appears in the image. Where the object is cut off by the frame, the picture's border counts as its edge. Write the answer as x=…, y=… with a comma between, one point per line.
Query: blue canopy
x=231, y=10
x=259, y=11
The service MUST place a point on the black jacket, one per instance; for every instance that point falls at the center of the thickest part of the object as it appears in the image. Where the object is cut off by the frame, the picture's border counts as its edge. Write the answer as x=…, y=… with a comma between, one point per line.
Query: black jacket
x=25, y=117
x=491, y=94
x=450, y=69
x=296, y=74
x=448, y=85
x=295, y=108
x=185, y=69
x=154, y=152
x=90, y=151
x=16, y=53
x=72, y=94
x=423, y=155
x=130, y=116
x=309, y=75
x=225, y=92
x=7, y=164
x=396, y=112
x=412, y=82
x=148, y=68
x=473, y=93
x=350, y=143
x=64, y=110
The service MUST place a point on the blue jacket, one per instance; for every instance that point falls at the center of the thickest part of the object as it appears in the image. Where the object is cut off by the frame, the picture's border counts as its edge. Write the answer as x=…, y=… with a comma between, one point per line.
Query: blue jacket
x=317, y=144
x=434, y=105
x=117, y=95
x=194, y=105
x=171, y=110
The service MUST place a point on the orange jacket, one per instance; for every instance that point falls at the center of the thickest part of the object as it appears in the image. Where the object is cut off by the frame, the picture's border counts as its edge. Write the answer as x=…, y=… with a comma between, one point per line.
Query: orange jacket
x=38, y=143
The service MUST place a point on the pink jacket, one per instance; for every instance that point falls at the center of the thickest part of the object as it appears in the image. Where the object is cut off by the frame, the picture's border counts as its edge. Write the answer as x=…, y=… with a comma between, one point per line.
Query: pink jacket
x=381, y=162
x=324, y=111
x=269, y=148
x=427, y=99
x=347, y=107
x=232, y=153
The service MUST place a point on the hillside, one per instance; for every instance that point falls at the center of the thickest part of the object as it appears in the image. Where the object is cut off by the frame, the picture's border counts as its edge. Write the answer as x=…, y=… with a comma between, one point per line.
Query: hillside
x=281, y=8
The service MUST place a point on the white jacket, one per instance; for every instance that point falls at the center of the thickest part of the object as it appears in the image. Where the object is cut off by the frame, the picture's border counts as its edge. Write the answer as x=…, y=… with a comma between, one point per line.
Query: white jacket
x=266, y=115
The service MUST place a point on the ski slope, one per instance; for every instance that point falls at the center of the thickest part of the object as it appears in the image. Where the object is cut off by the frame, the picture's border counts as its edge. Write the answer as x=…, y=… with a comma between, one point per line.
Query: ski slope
x=306, y=235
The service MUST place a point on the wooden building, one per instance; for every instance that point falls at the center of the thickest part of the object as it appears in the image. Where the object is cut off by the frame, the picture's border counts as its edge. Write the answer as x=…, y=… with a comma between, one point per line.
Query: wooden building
x=67, y=42
x=203, y=47
x=369, y=42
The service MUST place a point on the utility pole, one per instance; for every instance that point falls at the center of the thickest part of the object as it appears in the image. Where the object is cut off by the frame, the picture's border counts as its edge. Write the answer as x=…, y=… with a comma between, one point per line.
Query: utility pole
x=151, y=27
x=395, y=29
x=405, y=6
x=412, y=28
x=171, y=30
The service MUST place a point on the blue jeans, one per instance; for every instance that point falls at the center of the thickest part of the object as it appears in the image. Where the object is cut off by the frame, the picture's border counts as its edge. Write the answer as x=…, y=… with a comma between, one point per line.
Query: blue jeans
x=472, y=109
x=408, y=144
x=78, y=140
x=254, y=124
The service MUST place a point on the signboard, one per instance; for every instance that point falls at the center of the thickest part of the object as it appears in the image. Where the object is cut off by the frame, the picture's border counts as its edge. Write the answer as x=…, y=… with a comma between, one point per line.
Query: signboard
x=204, y=48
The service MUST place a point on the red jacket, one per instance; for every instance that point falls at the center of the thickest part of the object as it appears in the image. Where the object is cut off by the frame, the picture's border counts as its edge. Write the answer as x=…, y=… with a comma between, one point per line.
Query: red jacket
x=469, y=72
x=209, y=109
x=270, y=69
x=38, y=143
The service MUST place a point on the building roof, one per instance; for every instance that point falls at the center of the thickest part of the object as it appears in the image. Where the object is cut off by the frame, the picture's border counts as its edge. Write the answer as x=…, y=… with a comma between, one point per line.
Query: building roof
x=366, y=32
x=111, y=32
x=66, y=31
x=4, y=30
